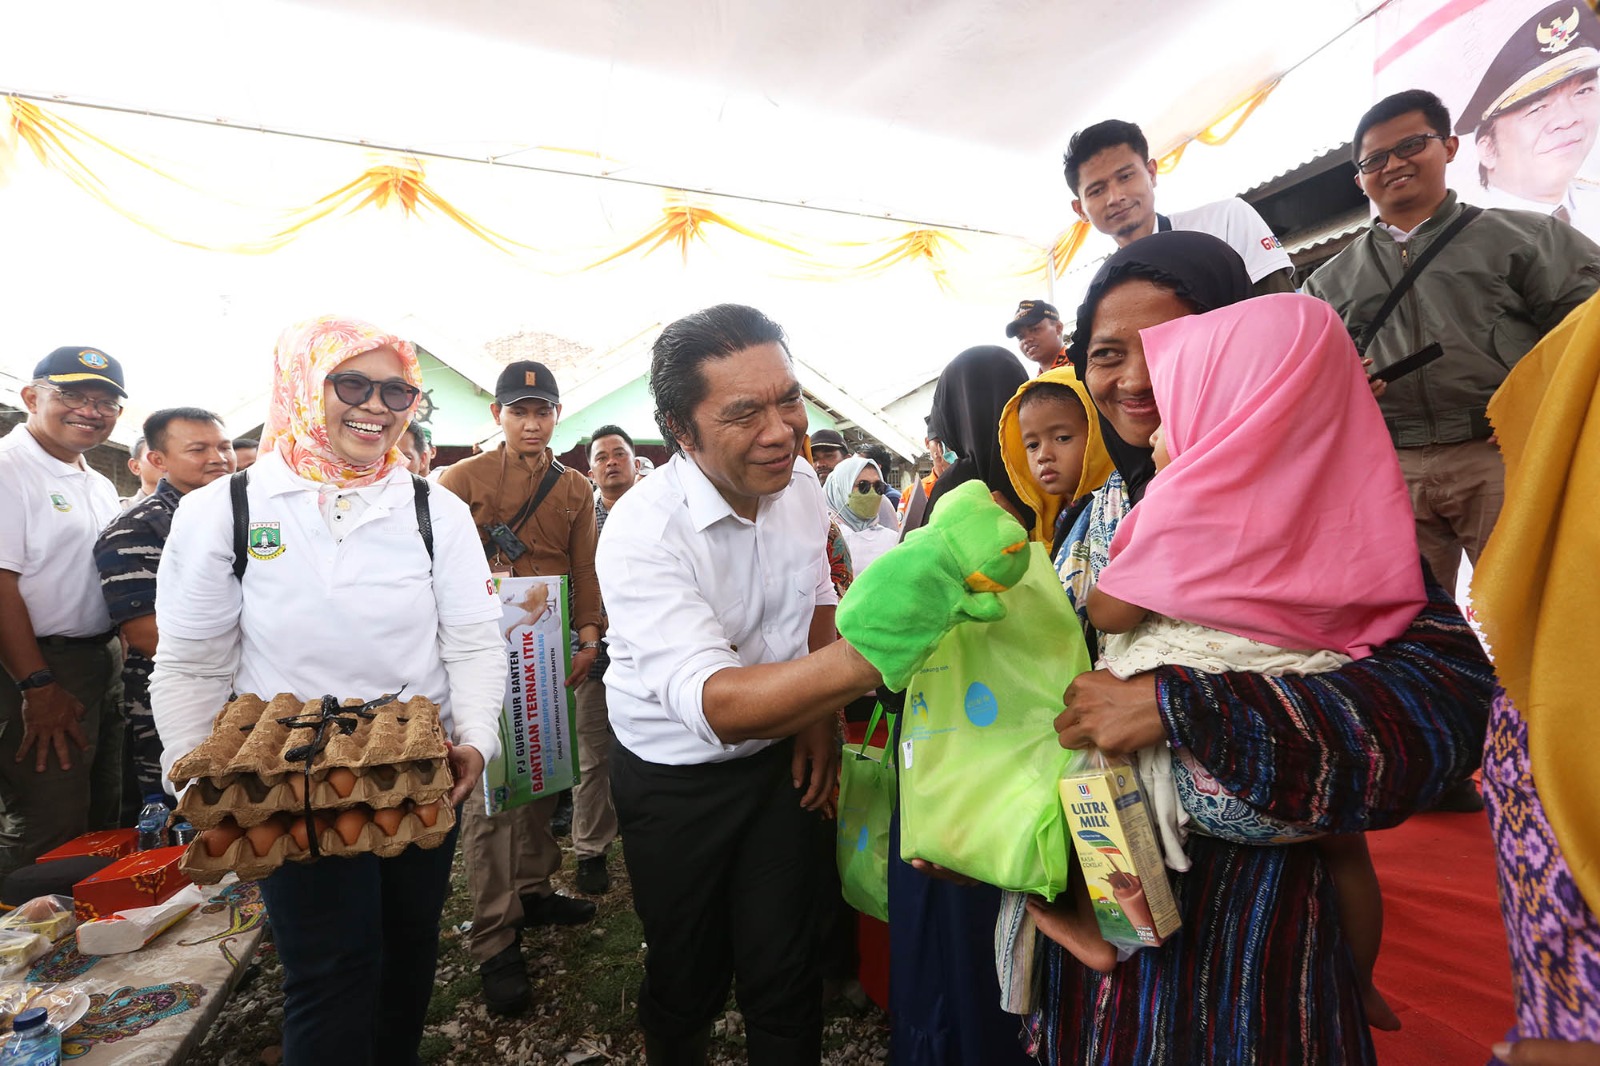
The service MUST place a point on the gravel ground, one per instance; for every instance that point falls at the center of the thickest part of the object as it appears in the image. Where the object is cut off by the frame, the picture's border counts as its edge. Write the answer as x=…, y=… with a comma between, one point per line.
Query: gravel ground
x=584, y=981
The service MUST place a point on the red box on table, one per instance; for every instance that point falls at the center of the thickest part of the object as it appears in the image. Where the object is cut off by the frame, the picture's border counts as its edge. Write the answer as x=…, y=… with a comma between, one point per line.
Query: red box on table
x=142, y=879
x=105, y=843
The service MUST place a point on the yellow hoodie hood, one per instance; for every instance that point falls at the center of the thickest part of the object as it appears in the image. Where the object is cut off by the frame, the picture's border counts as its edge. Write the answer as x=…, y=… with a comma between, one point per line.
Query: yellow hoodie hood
x=1096, y=461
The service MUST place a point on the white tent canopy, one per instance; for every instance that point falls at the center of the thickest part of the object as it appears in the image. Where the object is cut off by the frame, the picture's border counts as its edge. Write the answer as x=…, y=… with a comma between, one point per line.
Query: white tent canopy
x=948, y=113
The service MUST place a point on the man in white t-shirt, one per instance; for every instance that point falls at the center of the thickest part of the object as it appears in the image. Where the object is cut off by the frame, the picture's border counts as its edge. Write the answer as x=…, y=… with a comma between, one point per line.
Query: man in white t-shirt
x=716, y=582
x=60, y=723
x=1113, y=181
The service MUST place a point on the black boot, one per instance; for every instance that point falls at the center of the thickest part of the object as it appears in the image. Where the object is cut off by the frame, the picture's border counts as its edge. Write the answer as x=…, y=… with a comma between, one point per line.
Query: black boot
x=692, y=1050
x=506, y=989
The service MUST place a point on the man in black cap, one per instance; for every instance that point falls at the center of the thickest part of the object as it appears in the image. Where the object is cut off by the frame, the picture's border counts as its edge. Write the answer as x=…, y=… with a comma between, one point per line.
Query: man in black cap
x=511, y=855
x=827, y=451
x=1037, y=325
x=60, y=723
x=1535, y=115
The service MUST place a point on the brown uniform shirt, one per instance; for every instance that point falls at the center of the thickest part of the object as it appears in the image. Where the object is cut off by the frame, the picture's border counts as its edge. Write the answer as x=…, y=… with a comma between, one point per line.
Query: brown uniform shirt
x=560, y=535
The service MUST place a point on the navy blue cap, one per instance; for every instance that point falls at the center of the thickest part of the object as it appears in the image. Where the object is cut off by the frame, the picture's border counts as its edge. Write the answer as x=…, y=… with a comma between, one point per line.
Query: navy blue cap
x=80, y=366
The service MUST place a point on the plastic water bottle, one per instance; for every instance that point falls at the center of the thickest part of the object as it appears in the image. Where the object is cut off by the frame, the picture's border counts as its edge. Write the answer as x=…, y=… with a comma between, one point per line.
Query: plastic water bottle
x=34, y=1041
x=153, y=822
x=182, y=832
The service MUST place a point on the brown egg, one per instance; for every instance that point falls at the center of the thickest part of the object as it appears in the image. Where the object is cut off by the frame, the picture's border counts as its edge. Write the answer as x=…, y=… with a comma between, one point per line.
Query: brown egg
x=388, y=819
x=342, y=779
x=263, y=836
x=349, y=823
x=297, y=829
x=297, y=788
x=429, y=813
x=218, y=840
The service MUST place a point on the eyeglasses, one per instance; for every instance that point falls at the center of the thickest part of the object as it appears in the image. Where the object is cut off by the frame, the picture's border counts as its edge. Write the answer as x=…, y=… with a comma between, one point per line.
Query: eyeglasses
x=356, y=389
x=1404, y=150
x=78, y=401
x=872, y=486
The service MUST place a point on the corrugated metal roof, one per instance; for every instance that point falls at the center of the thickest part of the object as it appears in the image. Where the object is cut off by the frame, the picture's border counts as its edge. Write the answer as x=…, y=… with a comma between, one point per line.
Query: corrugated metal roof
x=1335, y=229
x=1325, y=159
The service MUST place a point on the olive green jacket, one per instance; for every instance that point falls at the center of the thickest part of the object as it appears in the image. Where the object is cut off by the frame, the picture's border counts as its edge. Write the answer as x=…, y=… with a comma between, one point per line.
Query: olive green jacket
x=1503, y=282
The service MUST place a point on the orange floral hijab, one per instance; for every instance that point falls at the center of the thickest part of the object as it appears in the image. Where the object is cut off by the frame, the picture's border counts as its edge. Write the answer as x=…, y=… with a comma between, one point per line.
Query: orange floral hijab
x=297, y=424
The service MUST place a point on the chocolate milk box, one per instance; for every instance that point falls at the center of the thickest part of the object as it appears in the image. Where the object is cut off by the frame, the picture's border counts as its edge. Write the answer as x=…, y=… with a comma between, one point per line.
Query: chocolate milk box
x=1121, y=860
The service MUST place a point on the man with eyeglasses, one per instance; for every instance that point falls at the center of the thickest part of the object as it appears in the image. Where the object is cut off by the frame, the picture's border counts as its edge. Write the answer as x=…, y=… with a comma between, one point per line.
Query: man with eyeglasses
x=536, y=518
x=60, y=722
x=1497, y=285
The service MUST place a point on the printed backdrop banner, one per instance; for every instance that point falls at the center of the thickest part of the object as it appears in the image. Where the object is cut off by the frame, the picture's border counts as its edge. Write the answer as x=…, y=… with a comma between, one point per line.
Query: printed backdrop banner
x=1519, y=79
x=537, y=727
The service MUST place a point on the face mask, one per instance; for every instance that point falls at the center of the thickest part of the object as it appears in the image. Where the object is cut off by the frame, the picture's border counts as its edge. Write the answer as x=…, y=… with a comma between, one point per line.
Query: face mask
x=864, y=504
x=950, y=456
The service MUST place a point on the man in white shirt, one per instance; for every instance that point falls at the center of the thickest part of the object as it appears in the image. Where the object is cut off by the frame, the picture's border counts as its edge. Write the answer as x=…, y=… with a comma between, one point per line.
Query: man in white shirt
x=716, y=583
x=60, y=723
x=1113, y=181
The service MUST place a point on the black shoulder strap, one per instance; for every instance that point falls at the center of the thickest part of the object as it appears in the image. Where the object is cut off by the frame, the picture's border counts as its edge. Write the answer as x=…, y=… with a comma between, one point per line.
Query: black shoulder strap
x=1401, y=287
x=419, y=487
x=237, y=486
x=241, y=522
x=551, y=476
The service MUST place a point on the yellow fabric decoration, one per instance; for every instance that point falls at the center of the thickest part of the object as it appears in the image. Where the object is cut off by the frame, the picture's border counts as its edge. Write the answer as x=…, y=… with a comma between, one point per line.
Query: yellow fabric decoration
x=683, y=224
x=1053, y=261
x=402, y=183
x=1221, y=129
x=931, y=246
x=51, y=139
x=1537, y=584
x=1096, y=460
x=1067, y=246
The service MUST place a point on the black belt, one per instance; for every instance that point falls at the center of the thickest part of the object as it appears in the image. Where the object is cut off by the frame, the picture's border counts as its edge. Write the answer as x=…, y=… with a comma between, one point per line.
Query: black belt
x=75, y=642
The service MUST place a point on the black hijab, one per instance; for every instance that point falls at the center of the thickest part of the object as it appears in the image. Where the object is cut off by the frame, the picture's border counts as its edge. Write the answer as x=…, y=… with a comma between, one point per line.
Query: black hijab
x=967, y=401
x=1200, y=269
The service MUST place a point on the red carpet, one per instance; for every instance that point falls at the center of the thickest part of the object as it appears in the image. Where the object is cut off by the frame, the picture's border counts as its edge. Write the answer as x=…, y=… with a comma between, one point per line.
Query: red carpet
x=1443, y=967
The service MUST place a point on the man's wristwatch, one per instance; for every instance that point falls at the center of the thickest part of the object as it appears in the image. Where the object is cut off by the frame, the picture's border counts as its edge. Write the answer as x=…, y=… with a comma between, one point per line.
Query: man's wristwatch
x=588, y=645
x=37, y=679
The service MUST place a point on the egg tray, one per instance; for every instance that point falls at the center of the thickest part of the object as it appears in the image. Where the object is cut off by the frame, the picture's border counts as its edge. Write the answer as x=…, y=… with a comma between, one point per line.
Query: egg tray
x=243, y=768
x=240, y=857
x=251, y=801
x=250, y=737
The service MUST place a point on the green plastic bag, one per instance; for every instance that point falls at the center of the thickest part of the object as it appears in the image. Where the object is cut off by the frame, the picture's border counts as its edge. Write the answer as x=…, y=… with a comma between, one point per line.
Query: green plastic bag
x=866, y=804
x=980, y=767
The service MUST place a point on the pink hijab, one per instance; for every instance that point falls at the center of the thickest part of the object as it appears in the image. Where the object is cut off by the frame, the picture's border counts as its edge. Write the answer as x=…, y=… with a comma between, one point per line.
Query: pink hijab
x=297, y=422
x=1283, y=515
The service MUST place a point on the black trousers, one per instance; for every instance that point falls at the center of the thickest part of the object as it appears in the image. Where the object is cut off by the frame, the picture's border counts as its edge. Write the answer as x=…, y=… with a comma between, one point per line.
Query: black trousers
x=724, y=866
x=359, y=940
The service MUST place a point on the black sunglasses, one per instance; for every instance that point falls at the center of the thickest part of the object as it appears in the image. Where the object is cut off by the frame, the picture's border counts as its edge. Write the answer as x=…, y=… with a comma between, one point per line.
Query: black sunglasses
x=355, y=389
x=1403, y=150
x=872, y=486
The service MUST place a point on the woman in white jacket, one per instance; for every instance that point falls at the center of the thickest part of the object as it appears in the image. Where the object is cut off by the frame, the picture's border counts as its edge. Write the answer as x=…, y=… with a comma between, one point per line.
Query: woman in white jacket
x=345, y=591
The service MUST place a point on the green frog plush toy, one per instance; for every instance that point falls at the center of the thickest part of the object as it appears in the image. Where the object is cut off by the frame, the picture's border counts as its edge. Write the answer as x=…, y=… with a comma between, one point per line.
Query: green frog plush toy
x=948, y=572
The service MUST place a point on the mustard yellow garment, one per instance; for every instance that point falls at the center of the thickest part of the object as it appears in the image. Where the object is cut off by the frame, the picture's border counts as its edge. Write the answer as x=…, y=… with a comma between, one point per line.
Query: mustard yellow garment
x=1096, y=462
x=1537, y=585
